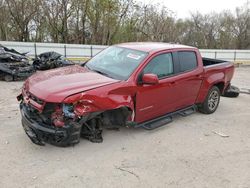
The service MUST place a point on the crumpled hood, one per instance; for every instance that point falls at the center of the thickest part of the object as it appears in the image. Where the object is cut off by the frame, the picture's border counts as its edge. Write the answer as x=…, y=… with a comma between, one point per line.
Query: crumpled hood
x=57, y=84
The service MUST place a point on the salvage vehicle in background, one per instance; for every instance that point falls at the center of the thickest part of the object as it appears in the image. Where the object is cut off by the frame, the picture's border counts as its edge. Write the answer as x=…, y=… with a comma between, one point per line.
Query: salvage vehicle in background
x=15, y=65
x=130, y=84
x=50, y=60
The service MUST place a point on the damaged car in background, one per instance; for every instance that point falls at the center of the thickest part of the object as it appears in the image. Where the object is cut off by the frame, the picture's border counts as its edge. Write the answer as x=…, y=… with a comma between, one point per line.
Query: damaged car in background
x=50, y=60
x=14, y=65
x=131, y=84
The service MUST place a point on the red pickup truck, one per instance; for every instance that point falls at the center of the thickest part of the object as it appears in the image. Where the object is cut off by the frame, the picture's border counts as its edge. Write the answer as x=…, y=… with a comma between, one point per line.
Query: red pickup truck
x=130, y=84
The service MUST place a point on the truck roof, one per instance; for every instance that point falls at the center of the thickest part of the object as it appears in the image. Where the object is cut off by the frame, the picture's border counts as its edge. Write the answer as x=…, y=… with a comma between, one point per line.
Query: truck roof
x=152, y=46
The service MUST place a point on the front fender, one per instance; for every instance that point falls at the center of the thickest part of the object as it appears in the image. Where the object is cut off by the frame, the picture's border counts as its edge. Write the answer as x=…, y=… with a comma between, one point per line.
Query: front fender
x=105, y=98
x=97, y=103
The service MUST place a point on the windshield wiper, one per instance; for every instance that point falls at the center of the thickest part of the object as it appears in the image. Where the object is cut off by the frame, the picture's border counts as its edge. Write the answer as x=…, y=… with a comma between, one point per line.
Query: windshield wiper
x=102, y=73
x=85, y=65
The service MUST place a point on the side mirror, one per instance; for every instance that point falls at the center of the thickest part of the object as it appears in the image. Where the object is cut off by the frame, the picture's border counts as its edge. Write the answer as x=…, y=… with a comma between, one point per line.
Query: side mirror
x=151, y=79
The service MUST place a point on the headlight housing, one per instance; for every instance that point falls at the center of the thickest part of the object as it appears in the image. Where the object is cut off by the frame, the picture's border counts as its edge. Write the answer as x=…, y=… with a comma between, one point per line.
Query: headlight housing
x=68, y=110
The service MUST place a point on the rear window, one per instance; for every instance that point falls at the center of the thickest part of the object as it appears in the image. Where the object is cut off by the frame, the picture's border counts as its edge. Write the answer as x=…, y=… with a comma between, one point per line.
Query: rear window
x=188, y=61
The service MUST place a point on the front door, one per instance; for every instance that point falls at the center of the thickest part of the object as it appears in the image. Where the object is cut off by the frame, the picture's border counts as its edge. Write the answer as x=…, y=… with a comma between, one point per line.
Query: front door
x=156, y=100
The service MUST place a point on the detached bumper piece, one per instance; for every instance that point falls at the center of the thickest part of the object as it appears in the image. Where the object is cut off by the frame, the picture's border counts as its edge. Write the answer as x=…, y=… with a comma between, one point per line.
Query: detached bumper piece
x=40, y=133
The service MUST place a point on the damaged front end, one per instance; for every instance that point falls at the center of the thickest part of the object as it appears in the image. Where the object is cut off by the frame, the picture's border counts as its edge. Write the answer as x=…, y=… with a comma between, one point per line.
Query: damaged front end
x=61, y=121
x=46, y=123
x=40, y=131
x=61, y=124
x=52, y=126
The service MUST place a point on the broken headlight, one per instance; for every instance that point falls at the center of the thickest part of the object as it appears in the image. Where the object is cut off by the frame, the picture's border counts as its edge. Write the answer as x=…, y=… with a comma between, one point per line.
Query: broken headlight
x=68, y=110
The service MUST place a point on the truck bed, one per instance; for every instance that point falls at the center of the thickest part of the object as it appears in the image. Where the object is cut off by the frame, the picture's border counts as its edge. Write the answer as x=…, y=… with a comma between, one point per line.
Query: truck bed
x=216, y=66
x=209, y=61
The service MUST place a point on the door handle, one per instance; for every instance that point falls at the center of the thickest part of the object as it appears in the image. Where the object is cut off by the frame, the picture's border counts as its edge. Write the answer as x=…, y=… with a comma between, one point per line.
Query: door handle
x=198, y=75
x=172, y=83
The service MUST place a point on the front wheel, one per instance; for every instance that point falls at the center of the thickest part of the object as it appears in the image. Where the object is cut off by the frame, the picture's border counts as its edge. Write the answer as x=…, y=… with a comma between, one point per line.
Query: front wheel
x=211, y=102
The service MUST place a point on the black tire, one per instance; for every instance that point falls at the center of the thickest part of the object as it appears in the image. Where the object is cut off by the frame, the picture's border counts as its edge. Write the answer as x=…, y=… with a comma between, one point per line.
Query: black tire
x=233, y=92
x=8, y=78
x=211, y=102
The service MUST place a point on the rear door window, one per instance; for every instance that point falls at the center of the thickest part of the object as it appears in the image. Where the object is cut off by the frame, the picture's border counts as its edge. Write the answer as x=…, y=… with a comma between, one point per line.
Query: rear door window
x=188, y=61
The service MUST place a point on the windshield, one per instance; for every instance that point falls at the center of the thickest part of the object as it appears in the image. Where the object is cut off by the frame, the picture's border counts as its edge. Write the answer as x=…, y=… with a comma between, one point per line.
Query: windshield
x=116, y=62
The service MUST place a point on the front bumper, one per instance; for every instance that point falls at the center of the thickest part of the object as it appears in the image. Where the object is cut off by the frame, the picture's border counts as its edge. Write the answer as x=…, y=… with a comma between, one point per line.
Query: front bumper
x=41, y=133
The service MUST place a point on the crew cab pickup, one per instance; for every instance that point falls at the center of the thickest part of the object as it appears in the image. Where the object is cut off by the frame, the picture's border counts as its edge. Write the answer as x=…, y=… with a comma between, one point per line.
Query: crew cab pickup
x=131, y=84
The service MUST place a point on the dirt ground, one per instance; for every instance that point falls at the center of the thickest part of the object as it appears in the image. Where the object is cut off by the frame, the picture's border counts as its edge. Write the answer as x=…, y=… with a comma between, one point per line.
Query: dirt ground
x=185, y=153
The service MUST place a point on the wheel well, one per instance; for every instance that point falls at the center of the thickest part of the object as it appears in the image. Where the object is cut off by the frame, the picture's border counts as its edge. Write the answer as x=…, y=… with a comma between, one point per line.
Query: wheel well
x=117, y=116
x=220, y=85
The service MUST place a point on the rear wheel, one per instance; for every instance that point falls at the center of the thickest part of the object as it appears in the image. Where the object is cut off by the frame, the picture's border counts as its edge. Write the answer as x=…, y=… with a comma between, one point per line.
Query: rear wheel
x=211, y=102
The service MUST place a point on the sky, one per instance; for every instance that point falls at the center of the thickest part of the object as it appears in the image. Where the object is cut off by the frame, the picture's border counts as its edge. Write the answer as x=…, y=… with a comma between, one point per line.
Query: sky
x=182, y=8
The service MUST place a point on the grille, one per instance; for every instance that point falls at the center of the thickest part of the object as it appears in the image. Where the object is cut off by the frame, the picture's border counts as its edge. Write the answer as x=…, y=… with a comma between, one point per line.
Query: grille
x=34, y=98
x=45, y=115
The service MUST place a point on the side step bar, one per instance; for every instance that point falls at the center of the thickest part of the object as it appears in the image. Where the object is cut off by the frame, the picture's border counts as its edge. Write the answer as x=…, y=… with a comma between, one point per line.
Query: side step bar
x=163, y=120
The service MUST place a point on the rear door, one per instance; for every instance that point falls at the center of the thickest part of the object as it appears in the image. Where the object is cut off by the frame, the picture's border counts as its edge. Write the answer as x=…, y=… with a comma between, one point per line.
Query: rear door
x=188, y=79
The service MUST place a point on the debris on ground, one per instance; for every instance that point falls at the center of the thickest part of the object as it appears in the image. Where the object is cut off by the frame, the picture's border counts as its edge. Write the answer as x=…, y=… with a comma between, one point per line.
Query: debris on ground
x=128, y=171
x=50, y=60
x=220, y=134
x=245, y=90
x=14, y=65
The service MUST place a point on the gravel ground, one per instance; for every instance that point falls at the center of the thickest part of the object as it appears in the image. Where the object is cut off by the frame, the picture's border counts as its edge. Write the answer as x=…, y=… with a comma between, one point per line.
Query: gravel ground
x=185, y=153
